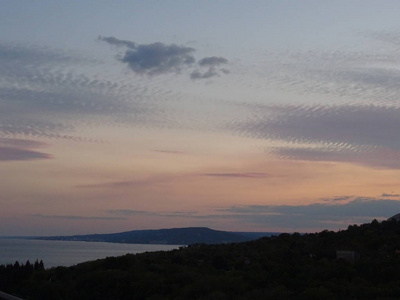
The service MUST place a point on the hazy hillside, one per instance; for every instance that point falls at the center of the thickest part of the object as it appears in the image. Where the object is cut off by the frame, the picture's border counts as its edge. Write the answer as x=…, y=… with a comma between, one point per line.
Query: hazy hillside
x=175, y=236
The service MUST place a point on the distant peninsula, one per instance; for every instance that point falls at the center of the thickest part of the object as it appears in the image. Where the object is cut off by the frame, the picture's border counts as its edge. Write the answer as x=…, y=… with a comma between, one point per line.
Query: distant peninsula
x=173, y=236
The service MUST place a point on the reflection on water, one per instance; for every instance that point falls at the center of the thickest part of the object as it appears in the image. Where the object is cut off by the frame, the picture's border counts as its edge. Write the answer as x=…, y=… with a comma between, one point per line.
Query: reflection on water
x=67, y=253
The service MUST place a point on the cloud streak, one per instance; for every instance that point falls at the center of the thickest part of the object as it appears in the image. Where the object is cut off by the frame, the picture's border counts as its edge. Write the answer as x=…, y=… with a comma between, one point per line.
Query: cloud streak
x=21, y=143
x=390, y=195
x=212, y=61
x=140, y=182
x=238, y=175
x=20, y=150
x=76, y=217
x=317, y=215
x=172, y=214
x=376, y=158
x=337, y=212
x=17, y=154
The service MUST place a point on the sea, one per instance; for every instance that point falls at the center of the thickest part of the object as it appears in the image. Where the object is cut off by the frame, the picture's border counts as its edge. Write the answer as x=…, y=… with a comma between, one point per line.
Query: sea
x=67, y=253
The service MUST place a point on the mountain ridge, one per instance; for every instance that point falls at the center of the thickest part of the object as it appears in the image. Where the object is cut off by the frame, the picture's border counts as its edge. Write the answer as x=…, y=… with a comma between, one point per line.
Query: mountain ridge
x=171, y=236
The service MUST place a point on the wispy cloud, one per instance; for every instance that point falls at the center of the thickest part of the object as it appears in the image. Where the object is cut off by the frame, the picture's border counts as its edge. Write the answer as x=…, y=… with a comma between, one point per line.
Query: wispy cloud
x=238, y=175
x=12, y=153
x=116, y=184
x=173, y=214
x=169, y=151
x=196, y=74
x=380, y=158
x=390, y=195
x=363, y=134
x=76, y=217
x=52, y=93
x=332, y=125
x=20, y=150
x=337, y=199
x=360, y=76
x=21, y=143
x=387, y=37
x=33, y=56
x=117, y=42
x=159, y=179
x=140, y=182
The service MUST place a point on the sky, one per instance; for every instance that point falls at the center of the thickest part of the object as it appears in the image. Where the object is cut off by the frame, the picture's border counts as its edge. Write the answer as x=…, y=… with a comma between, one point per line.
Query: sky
x=273, y=116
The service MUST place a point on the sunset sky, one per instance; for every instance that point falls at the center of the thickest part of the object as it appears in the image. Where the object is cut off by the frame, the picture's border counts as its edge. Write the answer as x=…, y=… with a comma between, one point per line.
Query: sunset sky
x=234, y=115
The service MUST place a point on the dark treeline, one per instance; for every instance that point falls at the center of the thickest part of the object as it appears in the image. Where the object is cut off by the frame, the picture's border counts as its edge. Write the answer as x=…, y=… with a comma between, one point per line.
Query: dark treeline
x=14, y=276
x=287, y=266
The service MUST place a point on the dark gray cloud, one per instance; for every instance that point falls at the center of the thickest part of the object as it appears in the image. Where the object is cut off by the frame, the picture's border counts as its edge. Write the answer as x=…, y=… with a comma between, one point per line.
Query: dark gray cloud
x=363, y=134
x=159, y=58
x=117, y=42
x=196, y=74
x=154, y=59
x=212, y=61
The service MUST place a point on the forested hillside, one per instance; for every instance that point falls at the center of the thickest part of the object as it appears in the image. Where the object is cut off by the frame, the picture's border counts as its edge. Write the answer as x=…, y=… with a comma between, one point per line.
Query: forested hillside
x=288, y=266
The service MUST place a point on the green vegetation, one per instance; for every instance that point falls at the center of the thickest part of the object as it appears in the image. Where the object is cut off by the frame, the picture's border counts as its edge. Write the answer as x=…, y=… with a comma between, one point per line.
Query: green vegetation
x=288, y=266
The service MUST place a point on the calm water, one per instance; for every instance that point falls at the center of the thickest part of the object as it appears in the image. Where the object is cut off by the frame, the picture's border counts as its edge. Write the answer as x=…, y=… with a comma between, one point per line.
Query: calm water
x=66, y=253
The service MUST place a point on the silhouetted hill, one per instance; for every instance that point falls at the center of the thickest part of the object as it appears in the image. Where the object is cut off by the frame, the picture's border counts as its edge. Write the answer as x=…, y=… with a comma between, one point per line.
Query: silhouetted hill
x=174, y=236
